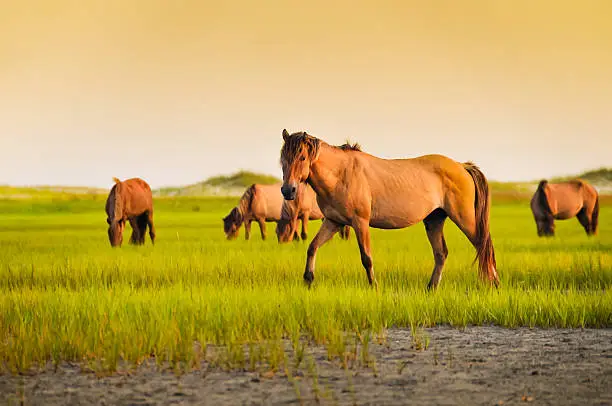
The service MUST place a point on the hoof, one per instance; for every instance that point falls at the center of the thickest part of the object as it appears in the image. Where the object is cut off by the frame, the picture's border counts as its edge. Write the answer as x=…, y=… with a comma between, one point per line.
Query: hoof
x=308, y=278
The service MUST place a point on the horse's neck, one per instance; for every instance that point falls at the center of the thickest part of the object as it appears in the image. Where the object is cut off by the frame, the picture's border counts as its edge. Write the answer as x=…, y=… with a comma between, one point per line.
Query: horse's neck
x=325, y=171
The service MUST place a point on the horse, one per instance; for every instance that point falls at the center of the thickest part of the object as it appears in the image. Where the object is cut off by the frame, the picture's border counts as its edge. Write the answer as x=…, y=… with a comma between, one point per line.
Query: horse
x=261, y=203
x=304, y=207
x=358, y=189
x=130, y=200
x=562, y=201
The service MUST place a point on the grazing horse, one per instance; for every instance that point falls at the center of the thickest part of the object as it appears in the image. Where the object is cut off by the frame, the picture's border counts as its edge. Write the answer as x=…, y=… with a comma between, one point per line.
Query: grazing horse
x=304, y=208
x=357, y=189
x=562, y=201
x=260, y=203
x=130, y=200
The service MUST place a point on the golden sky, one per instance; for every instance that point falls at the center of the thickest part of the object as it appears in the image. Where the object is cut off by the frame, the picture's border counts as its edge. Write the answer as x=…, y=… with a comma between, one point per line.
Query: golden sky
x=178, y=90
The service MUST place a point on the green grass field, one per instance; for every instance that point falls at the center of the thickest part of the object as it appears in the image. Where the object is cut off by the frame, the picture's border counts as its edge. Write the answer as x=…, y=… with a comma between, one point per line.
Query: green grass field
x=66, y=295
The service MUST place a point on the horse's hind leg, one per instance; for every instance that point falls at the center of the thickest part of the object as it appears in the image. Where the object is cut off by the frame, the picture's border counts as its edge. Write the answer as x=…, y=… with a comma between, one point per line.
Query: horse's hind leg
x=583, y=218
x=149, y=222
x=262, y=227
x=362, y=232
x=434, y=225
x=142, y=227
x=135, y=237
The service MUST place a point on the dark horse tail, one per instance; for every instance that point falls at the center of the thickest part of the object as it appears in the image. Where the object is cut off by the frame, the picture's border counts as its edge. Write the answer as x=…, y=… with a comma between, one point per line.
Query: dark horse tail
x=595, y=216
x=485, y=253
x=542, y=199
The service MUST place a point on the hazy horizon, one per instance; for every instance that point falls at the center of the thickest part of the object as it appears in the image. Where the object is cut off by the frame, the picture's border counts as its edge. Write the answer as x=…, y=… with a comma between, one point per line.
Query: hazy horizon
x=176, y=92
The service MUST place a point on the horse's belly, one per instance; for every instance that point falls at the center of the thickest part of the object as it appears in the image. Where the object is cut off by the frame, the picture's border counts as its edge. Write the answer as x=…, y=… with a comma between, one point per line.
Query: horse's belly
x=390, y=224
x=567, y=211
x=400, y=215
x=564, y=215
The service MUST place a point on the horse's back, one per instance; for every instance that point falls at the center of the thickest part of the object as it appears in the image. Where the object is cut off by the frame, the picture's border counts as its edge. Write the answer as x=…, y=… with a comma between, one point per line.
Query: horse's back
x=405, y=191
x=566, y=199
x=267, y=202
x=138, y=193
x=590, y=194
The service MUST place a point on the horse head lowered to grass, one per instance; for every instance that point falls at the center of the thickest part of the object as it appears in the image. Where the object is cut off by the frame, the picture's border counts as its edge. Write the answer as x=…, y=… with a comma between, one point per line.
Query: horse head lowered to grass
x=357, y=189
x=260, y=203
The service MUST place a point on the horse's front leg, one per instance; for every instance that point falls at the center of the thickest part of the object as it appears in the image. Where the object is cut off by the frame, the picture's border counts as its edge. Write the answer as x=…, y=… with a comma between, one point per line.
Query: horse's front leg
x=326, y=232
x=305, y=225
x=362, y=231
x=247, y=229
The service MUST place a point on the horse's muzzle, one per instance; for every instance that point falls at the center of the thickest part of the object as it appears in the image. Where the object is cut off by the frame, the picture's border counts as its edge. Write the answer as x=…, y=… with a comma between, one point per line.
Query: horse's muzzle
x=289, y=191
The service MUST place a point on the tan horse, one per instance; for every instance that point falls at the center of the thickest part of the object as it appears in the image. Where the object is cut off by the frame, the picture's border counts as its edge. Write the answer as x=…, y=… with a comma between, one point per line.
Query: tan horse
x=357, y=189
x=130, y=200
x=261, y=203
x=304, y=207
x=562, y=201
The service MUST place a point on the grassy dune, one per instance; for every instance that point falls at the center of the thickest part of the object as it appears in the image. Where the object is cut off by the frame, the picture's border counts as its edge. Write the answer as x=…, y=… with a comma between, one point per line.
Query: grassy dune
x=66, y=295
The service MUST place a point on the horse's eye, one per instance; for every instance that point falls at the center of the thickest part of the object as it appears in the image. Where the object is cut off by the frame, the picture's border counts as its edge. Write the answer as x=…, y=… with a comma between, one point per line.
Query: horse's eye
x=303, y=158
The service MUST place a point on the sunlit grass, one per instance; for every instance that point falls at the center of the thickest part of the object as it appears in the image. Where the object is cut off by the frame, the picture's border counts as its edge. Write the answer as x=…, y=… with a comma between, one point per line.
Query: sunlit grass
x=66, y=295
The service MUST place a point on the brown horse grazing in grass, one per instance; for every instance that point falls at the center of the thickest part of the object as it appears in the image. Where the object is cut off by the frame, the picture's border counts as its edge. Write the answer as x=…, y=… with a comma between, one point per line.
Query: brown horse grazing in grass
x=261, y=203
x=561, y=201
x=130, y=200
x=304, y=207
x=357, y=189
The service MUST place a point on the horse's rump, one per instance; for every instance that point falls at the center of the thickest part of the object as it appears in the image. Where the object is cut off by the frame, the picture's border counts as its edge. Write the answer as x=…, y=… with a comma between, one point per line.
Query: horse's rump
x=128, y=198
x=595, y=216
x=244, y=204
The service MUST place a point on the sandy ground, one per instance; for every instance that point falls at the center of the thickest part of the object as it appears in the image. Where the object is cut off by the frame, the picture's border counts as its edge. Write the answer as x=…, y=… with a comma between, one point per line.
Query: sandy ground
x=479, y=365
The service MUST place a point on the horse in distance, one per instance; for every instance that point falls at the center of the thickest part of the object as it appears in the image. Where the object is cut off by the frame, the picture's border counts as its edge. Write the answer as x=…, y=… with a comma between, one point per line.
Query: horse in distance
x=562, y=201
x=304, y=207
x=358, y=189
x=130, y=200
x=260, y=203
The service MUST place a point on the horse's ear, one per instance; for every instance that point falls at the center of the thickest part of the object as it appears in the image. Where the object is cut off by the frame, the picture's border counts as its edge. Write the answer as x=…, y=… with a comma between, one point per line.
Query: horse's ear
x=116, y=180
x=285, y=134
